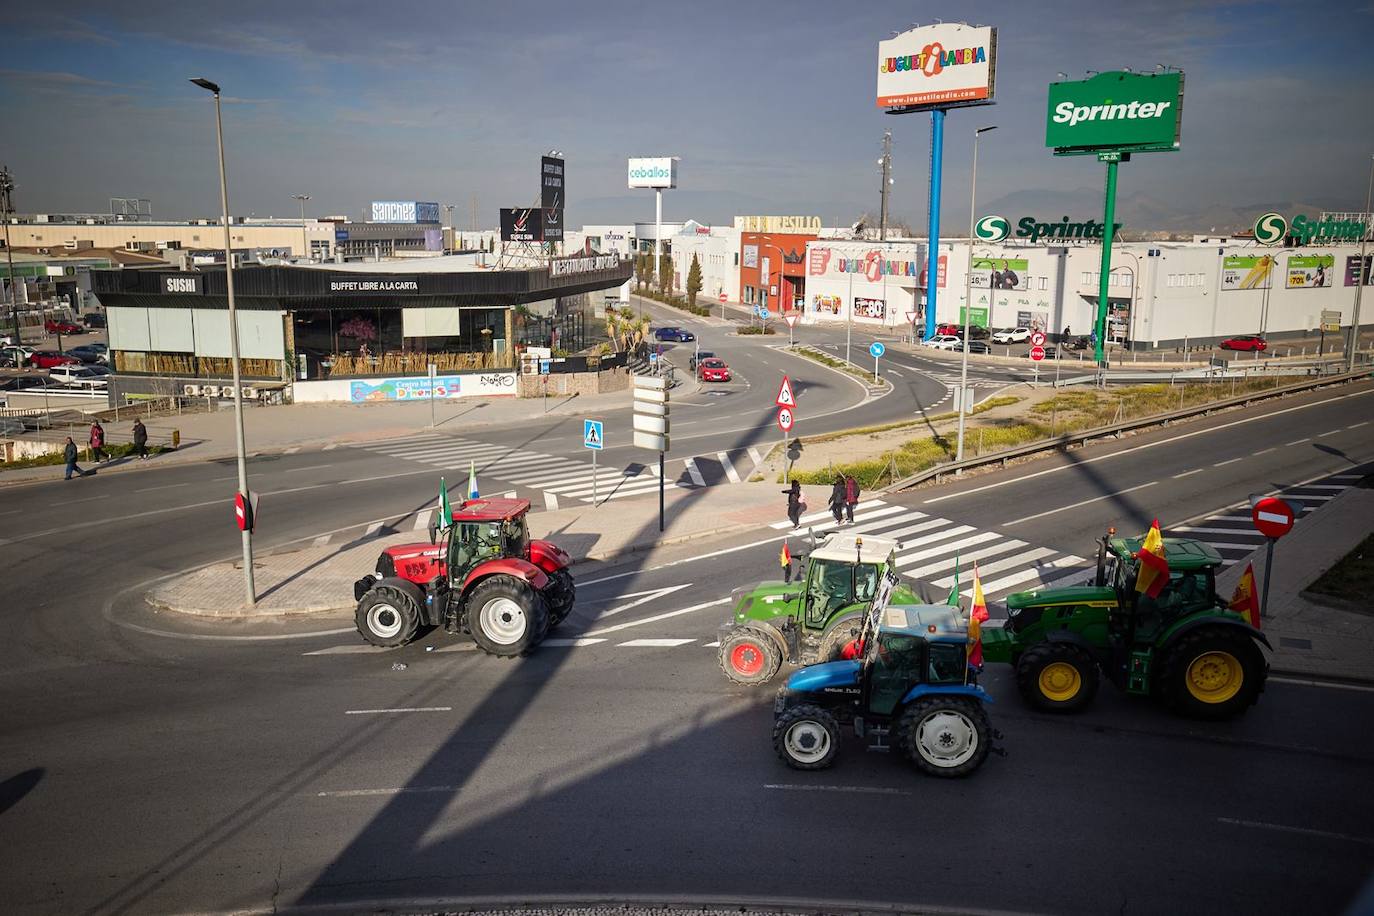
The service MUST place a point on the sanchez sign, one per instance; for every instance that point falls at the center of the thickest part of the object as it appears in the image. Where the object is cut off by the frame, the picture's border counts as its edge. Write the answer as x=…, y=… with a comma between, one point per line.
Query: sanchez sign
x=1131, y=112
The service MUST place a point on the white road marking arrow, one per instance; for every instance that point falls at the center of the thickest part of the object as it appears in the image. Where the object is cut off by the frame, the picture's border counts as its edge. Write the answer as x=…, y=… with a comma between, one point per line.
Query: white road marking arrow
x=643, y=598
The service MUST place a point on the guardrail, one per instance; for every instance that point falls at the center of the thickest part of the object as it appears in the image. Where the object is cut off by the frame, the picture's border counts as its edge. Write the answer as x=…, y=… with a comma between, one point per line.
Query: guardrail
x=1114, y=430
x=1232, y=369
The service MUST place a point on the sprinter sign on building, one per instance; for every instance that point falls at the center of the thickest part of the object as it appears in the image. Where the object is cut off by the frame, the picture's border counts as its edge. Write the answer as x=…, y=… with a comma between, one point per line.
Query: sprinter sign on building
x=1121, y=111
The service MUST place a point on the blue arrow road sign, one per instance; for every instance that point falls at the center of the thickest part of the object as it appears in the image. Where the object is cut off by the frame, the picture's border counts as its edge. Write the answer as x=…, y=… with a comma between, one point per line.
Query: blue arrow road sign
x=591, y=434
x=877, y=349
x=764, y=313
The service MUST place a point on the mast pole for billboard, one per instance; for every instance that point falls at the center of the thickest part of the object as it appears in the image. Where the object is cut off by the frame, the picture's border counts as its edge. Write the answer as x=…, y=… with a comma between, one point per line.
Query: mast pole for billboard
x=1361, y=277
x=937, y=155
x=1108, y=222
x=658, y=234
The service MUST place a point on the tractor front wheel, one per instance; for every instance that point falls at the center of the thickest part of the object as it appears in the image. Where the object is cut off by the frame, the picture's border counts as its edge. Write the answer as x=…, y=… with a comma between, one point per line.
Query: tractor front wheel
x=505, y=616
x=1212, y=673
x=749, y=657
x=387, y=616
x=1057, y=677
x=945, y=737
x=806, y=737
x=566, y=591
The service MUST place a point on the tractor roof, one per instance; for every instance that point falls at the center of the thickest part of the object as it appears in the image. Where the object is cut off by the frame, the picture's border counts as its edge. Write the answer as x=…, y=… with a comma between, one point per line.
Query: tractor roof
x=846, y=548
x=1181, y=553
x=489, y=510
x=935, y=622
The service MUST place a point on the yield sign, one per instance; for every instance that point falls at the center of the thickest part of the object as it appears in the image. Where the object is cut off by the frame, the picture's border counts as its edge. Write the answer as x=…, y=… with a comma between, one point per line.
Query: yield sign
x=910, y=316
x=785, y=398
x=791, y=320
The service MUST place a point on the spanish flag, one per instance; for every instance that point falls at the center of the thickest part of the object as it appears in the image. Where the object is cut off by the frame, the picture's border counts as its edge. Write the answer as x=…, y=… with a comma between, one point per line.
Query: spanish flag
x=785, y=558
x=1245, y=601
x=976, y=615
x=1154, y=568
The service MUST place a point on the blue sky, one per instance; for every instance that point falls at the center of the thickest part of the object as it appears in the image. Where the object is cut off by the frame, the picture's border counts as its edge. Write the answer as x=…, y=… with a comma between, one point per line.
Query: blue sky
x=770, y=106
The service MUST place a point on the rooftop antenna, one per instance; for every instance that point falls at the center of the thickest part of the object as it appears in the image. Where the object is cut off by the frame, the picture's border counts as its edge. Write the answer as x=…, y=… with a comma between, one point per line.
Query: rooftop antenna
x=1092, y=72
x=1062, y=75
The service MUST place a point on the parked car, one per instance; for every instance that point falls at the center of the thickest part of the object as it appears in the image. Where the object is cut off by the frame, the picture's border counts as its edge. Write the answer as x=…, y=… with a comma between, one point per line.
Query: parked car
x=698, y=357
x=678, y=334
x=978, y=332
x=979, y=346
x=16, y=356
x=714, y=370
x=1083, y=342
x=20, y=382
x=947, y=329
x=1011, y=336
x=61, y=326
x=945, y=342
x=46, y=359
x=93, y=320
x=91, y=353
x=1244, y=342
x=70, y=375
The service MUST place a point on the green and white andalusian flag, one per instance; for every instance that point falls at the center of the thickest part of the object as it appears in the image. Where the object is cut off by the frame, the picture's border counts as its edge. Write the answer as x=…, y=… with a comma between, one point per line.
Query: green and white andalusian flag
x=953, y=599
x=445, y=511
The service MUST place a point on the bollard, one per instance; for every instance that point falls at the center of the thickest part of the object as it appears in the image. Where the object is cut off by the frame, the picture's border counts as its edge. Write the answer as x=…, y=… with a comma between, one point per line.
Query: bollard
x=176, y=438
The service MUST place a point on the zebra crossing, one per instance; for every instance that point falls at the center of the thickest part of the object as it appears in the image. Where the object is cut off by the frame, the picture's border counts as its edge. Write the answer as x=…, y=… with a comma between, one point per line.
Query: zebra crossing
x=551, y=479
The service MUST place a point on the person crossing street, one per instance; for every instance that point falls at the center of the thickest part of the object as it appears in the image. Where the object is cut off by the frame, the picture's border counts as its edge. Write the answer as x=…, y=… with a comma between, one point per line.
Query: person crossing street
x=795, y=503
x=837, y=500
x=851, y=497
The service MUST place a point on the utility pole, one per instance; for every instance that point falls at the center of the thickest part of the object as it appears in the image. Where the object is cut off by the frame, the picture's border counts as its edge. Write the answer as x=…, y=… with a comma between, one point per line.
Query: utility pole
x=6, y=208
x=305, y=245
x=1361, y=278
x=886, y=172
x=452, y=246
x=473, y=227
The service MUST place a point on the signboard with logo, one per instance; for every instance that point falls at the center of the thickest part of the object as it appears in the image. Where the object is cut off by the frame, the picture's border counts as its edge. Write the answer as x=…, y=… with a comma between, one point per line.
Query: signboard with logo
x=1353, y=272
x=565, y=267
x=979, y=316
x=802, y=225
x=1310, y=271
x=551, y=178
x=342, y=284
x=1247, y=272
x=869, y=308
x=656, y=172
x=941, y=65
x=1133, y=112
x=1000, y=273
x=1272, y=228
x=941, y=264
x=182, y=284
x=525, y=224
x=552, y=219
x=404, y=211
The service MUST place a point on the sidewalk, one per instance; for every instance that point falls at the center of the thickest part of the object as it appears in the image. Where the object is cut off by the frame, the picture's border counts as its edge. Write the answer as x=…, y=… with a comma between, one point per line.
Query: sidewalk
x=314, y=580
x=1311, y=639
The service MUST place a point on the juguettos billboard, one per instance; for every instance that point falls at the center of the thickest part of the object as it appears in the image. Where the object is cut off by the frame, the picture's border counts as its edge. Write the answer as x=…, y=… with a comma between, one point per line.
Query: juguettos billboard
x=658, y=172
x=937, y=66
x=1132, y=112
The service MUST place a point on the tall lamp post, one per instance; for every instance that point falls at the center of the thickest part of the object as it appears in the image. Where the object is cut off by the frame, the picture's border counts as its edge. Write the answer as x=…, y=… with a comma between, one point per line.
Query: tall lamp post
x=1361, y=276
x=250, y=592
x=305, y=244
x=6, y=206
x=968, y=291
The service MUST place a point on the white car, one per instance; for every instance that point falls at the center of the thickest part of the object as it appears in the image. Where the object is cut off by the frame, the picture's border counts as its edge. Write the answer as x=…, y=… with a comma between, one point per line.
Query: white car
x=945, y=342
x=85, y=376
x=1015, y=335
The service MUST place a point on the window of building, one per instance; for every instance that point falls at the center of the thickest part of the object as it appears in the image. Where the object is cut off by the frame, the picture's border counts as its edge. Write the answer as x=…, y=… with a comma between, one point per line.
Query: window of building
x=1044, y=282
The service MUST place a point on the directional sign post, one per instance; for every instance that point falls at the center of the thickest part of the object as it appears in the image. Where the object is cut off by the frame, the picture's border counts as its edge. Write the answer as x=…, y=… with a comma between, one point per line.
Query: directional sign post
x=1273, y=518
x=651, y=423
x=593, y=438
x=877, y=349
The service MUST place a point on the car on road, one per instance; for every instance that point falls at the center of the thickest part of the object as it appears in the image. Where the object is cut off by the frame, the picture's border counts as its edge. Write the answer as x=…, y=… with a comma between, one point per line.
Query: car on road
x=91, y=353
x=86, y=376
x=698, y=357
x=93, y=320
x=681, y=335
x=46, y=359
x=61, y=326
x=1011, y=336
x=945, y=342
x=1244, y=342
x=714, y=370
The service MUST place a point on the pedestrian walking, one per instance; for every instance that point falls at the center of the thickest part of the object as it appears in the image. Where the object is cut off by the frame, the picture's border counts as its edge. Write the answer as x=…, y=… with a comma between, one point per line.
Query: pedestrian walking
x=140, y=440
x=796, y=503
x=837, y=500
x=69, y=453
x=851, y=497
x=97, y=442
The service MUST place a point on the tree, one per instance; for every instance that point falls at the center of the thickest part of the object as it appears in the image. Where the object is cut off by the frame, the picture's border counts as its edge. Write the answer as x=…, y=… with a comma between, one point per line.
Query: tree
x=693, y=281
x=643, y=269
x=665, y=273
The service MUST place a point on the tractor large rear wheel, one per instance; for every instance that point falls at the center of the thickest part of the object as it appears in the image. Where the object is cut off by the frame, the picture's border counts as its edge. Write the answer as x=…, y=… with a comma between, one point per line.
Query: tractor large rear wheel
x=387, y=617
x=1057, y=677
x=842, y=632
x=806, y=737
x=566, y=591
x=749, y=657
x=947, y=737
x=1212, y=673
x=505, y=616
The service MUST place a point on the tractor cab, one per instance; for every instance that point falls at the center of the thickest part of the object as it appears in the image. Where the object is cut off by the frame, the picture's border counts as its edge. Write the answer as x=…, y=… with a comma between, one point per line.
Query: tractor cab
x=842, y=572
x=485, y=530
x=1191, y=587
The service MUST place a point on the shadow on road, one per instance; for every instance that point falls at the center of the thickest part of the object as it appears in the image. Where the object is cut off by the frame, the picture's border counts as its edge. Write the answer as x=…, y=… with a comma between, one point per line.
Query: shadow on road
x=12, y=790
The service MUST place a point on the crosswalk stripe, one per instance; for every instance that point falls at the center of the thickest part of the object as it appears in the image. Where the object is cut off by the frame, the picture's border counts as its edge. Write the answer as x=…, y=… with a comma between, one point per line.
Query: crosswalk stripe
x=898, y=533
x=1323, y=486
x=1066, y=563
x=755, y=457
x=372, y=529
x=570, y=643
x=997, y=566
x=817, y=516
x=421, y=521
x=550, y=501
x=912, y=556
x=612, y=483
x=964, y=557
x=691, y=466
x=655, y=643
x=729, y=468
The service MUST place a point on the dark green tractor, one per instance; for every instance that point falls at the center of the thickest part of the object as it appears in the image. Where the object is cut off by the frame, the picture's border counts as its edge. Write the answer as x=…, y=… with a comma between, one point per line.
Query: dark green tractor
x=812, y=619
x=1185, y=646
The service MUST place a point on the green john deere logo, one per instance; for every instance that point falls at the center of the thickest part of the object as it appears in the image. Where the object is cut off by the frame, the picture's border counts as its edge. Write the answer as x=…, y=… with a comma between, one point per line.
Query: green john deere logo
x=992, y=229
x=1270, y=229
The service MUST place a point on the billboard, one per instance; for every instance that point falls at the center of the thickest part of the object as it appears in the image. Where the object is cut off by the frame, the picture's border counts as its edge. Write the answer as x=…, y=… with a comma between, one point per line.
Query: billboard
x=404, y=211
x=552, y=219
x=551, y=178
x=937, y=66
x=1247, y=272
x=1000, y=273
x=657, y=172
x=751, y=256
x=524, y=224
x=1133, y=112
x=869, y=308
x=1353, y=272
x=1311, y=271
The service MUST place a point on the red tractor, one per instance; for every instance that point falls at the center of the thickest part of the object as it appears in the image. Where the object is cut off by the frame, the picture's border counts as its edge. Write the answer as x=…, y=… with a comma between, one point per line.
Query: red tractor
x=485, y=578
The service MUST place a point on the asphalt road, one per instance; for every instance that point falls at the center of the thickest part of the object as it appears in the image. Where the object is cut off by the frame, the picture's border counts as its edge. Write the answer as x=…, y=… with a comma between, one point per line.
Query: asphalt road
x=151, y=765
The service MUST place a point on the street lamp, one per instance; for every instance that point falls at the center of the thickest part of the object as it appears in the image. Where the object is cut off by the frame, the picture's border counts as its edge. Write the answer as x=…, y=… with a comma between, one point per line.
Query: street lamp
x=765, y=240
x=233, y=347
x=305, y=245
x=6, y=206
x=1361, y=275
x=968, y=291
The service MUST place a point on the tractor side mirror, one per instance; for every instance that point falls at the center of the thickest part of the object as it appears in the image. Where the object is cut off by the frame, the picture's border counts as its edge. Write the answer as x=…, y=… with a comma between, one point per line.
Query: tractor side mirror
x=433, y=532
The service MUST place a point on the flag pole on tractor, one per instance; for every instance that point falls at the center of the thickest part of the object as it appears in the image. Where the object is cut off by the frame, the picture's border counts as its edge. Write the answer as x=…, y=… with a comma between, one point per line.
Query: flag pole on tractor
x=1154, y=567
x=472, y=480
x=976, y=615
x=1243, y=601
x=953, y=599
x=445, y=511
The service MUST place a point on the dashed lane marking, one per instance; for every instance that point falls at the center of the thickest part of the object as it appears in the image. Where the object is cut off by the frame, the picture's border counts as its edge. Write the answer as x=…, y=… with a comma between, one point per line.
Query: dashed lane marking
x=1303, y=682
x=1084, y=502
x=1188, y=473
x=656, y=643
x=852, y=790
x=374, y=712
x=1304, y=831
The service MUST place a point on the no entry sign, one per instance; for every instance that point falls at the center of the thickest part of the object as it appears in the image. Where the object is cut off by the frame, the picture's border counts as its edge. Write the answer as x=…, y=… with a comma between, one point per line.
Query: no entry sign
x=724, y=298
x=1272, y=516
x=784, y=419
x=1037, y=353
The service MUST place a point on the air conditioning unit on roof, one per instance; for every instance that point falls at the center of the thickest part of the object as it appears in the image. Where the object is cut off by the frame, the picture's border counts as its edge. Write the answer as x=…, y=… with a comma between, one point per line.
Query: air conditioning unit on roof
x=190, y=391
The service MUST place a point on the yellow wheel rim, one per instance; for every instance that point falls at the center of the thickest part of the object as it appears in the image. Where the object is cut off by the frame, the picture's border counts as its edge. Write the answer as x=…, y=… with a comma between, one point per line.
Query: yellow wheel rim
x=1215, y=677
x=1060, y=681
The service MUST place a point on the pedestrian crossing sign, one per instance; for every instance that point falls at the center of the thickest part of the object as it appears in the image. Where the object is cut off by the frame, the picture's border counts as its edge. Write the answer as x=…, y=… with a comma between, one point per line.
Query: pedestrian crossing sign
x=591, y=434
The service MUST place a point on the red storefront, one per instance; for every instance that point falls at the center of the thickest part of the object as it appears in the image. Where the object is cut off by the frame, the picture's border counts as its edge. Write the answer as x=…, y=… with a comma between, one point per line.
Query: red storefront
x=772, y=269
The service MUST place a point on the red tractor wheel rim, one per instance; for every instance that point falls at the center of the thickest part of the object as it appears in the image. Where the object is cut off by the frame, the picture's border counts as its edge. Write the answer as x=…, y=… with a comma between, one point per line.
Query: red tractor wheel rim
x=747, y=658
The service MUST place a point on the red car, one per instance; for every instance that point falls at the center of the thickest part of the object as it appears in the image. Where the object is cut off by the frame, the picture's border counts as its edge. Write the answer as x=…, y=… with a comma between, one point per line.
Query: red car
x=713, y=370
x=46, y=359
x=1244, y=342
x=951, y=329
x=62, y=326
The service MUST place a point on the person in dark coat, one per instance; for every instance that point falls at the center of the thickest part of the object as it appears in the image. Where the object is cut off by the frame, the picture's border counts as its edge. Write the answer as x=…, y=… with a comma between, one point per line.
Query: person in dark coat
x=837, y=500
x=851, y=497
x=97, y=442
x=140, y=439
x=794, y=503
x=70, y=453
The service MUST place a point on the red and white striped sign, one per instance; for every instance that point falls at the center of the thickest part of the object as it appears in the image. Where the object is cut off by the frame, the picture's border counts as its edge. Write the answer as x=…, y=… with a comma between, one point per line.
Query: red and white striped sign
x=1272, y=516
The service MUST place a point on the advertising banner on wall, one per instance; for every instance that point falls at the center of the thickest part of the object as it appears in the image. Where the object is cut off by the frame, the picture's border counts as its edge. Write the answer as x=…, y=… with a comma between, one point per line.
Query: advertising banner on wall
x=937, y=66
x=1247, y=272
x=551, y=183
x=524, y=224
x=655, y=172
x=405, y=211
x=751, y=256
x=940, y=271
x=1137, y=112
x=826, y=305
x=405, y=389
x=764, y=272
x=870, y=308
x=1352, y=270
x=1035, y=320
x=1000, y=273
x=980, y=316
x=1310, y=271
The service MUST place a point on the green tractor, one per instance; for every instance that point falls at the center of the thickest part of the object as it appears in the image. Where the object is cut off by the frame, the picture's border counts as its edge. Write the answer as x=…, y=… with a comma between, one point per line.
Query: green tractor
x=812, y=619
x=1184, y=646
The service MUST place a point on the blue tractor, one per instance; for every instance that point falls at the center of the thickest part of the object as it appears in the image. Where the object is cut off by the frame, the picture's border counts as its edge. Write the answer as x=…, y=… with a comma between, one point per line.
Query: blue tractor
x=910, y=687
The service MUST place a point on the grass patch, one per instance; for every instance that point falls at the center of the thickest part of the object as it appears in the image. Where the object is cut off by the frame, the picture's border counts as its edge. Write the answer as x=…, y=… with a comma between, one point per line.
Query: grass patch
x=756, y=329
x=1352, y=579
x=56, y=458
x=827, y=360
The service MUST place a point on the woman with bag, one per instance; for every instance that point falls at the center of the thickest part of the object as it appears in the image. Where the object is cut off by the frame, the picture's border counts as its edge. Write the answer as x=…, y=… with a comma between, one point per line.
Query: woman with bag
x=796, y=503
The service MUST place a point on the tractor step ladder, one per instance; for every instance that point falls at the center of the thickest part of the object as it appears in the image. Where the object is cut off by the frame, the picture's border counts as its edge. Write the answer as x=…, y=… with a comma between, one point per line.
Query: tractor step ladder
x=1138, y=671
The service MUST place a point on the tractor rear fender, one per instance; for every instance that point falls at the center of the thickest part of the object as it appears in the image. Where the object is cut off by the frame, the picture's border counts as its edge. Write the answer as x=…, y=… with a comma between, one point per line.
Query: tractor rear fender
x=1193, y=623
x=973, y=691
x=548, y=556
x=507, y=566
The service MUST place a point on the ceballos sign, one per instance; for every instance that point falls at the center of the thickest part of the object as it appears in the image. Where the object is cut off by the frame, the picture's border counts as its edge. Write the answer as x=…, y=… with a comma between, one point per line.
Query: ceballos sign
x=1273, y=228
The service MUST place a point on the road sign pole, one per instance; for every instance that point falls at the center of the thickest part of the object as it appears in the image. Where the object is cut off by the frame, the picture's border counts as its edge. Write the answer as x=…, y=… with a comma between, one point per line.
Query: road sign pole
x=789, y=335
x=594, y=477
x=1268, y=567
x=875, y=370
x=660, y=492
x=1109, y=220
